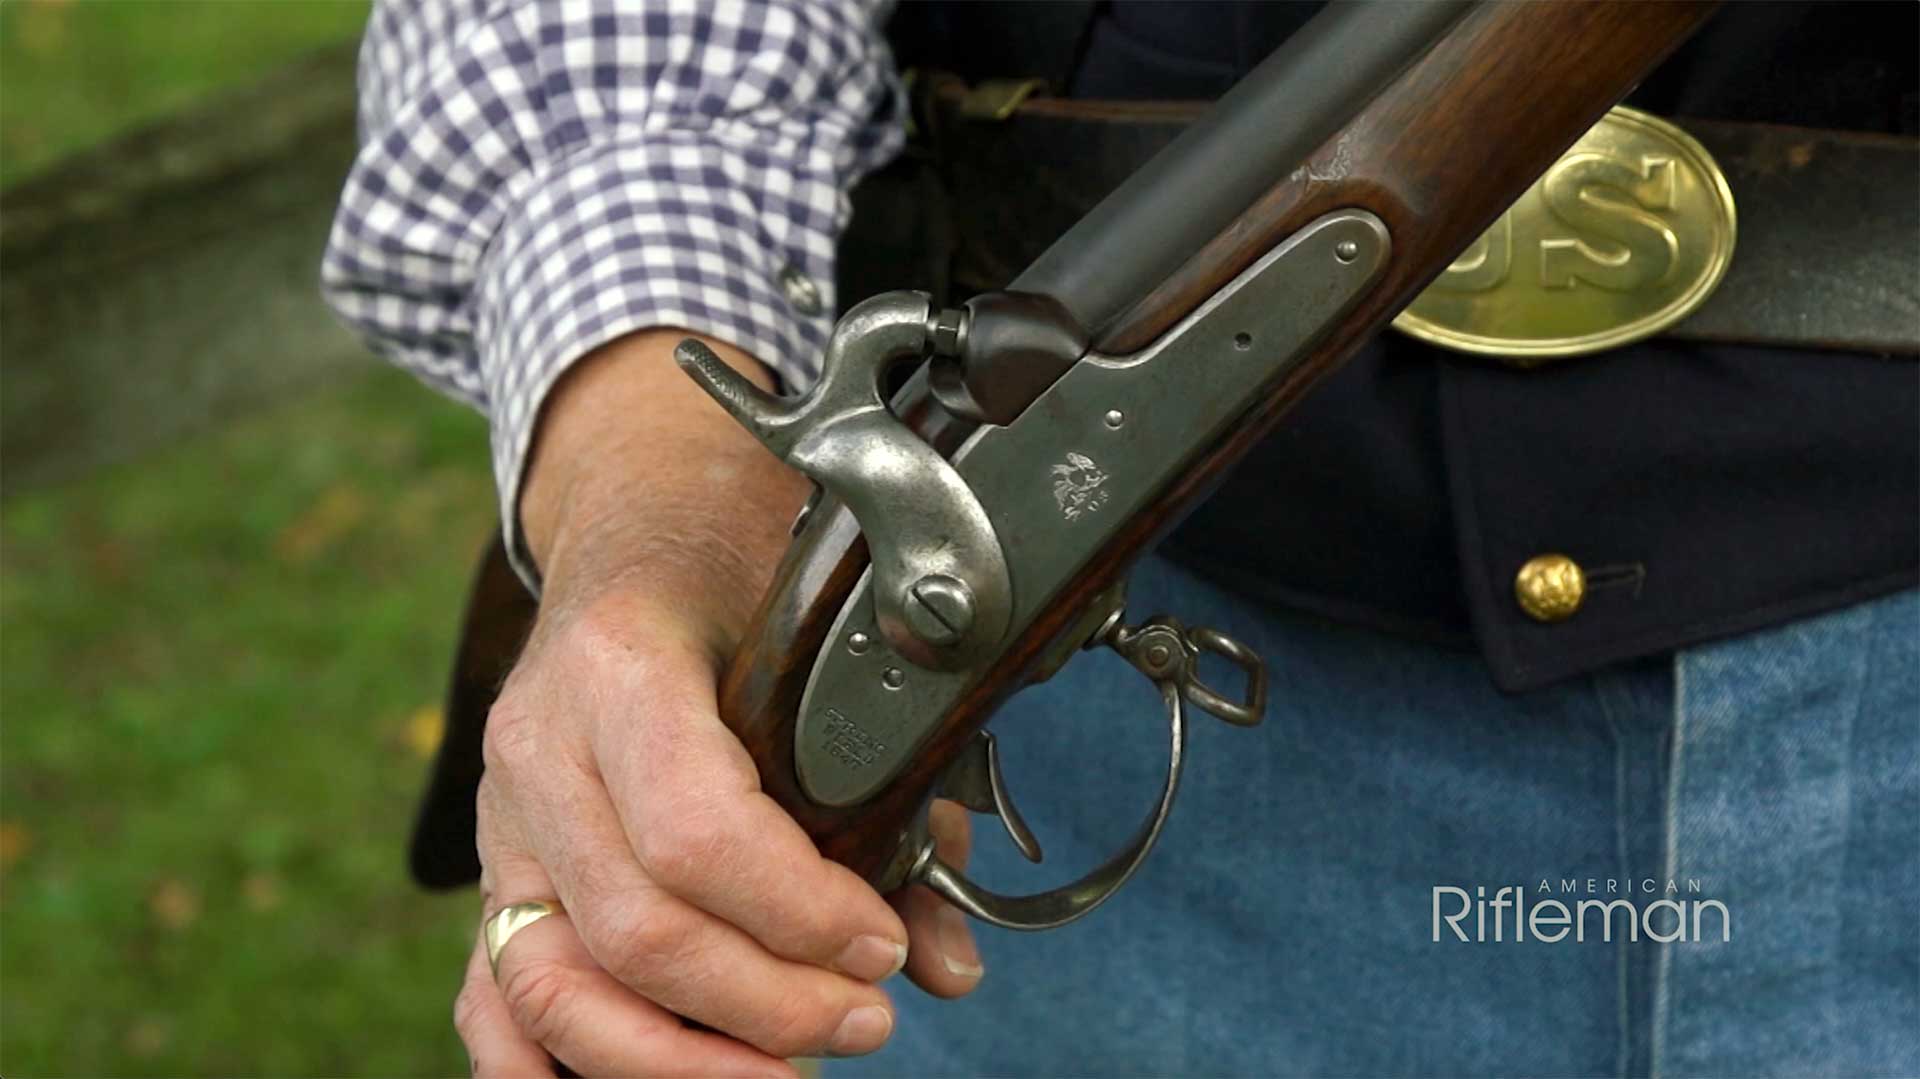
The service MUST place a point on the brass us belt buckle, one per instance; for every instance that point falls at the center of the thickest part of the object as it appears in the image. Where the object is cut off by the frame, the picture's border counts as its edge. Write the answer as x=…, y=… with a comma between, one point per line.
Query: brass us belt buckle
x=1627, y=234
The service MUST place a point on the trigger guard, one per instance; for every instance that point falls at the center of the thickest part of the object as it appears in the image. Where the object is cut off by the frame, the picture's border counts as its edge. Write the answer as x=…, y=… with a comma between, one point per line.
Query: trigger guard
x=1051, y=909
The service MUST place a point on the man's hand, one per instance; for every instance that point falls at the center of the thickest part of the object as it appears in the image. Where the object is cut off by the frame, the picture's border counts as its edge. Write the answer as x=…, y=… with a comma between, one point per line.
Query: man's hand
x=613, y=787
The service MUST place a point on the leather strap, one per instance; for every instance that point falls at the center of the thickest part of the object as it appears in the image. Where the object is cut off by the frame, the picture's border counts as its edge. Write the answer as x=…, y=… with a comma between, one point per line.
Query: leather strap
x=1828, y=255
x=1829, y=250
x=499, y=613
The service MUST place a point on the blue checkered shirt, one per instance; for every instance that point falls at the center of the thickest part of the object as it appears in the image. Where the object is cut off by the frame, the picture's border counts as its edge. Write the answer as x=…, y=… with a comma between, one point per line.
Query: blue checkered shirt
x=537, y=178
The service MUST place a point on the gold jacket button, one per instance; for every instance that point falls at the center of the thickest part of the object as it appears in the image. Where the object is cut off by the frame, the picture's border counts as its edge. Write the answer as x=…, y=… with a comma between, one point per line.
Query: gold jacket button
x=1550, y=587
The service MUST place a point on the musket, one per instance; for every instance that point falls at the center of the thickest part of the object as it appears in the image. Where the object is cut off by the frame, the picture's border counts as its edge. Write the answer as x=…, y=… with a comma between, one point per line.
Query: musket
x=969, y=535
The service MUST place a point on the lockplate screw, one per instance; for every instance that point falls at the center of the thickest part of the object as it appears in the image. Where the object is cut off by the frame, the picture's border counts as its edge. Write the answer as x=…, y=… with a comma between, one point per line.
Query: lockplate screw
x=939, y=609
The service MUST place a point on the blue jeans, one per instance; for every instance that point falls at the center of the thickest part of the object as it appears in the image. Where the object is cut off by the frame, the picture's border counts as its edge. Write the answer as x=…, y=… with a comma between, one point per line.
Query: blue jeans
x=1303, y=913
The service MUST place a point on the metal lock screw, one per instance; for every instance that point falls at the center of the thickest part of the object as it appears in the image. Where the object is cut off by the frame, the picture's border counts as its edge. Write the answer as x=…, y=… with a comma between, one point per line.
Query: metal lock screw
x=948, y=329
x=939, y=609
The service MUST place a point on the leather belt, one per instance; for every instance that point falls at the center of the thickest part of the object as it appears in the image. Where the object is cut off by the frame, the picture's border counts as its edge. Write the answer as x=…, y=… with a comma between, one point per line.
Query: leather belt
x=1829, y=243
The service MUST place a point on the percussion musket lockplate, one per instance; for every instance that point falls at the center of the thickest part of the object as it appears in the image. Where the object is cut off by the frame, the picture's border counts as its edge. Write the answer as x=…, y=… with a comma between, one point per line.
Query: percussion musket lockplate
x=1061, y=480
x=941, y=594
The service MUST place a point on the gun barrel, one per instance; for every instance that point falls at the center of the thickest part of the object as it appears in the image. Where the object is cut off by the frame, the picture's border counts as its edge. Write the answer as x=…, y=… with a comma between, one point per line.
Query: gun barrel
x=1284, y=110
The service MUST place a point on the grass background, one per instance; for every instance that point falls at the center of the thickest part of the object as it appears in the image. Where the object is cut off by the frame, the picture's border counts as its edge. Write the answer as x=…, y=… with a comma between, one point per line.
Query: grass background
x=75, y=72
x=220, y=665
x=221, y=670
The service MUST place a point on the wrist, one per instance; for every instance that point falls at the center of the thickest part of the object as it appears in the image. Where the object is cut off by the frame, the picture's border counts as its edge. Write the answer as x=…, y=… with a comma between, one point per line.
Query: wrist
x=639, y=486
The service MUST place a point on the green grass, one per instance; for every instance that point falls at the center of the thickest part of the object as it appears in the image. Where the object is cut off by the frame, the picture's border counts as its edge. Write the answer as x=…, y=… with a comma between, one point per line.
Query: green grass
x=220, y=665
x=76, y=72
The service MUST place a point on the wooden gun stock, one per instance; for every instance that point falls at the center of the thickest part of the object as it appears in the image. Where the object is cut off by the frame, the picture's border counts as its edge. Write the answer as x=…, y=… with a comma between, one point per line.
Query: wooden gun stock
x=1436, y=155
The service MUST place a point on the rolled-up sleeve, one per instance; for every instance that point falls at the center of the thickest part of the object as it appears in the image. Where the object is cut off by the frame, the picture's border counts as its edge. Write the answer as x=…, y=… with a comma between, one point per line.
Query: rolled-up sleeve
x=538, y=178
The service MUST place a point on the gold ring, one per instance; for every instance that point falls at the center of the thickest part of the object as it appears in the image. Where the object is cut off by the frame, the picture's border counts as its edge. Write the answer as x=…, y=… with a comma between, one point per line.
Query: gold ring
x=510, y=920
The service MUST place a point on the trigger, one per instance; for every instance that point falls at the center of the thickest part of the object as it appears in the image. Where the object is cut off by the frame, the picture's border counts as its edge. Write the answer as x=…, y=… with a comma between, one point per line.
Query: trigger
x=974, y=780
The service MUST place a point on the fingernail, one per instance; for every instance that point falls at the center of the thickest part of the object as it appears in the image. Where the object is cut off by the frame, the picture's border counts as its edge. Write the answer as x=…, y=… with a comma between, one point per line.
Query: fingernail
x=873, y=959
x=862, y=1031
x=956, y=944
